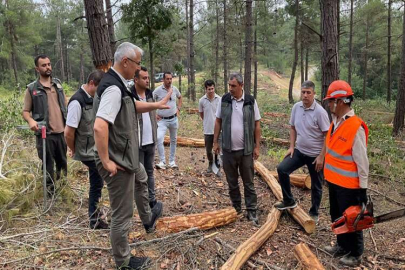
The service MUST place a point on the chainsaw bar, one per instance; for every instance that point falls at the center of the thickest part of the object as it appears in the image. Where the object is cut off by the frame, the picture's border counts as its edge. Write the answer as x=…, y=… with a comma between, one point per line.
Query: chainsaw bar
x=390, y=216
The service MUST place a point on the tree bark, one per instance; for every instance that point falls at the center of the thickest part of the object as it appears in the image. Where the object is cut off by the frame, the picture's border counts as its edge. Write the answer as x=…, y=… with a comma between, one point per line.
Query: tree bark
x=188, y=50
x=98, y=34
x=225, y=50
x=307, y=259
x=330, y=58
x=349, y=70
x=365, y=60
x=10, y=30
x=248, y=48
x=192, y=73
x=216, y=43
x=297, y=180
x=302, y=60
x=400, y=108
x=255, y=54
x=297, y=213
x=306, y=63
x=251, y=245
x=202, y=221
x=183, y=141
x=295, y=62
x=389, y=53
x=110, y=23
x=59, y=47
x=338, y=25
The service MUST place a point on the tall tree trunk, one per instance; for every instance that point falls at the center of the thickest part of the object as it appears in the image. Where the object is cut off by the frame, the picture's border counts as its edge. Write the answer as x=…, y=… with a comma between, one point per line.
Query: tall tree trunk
x=365, y=60
x=11, y=32
x=67, y=63
x=151, y=65
x=59, y=47
x=188, y=50
x=400, y=108
x=330, y=57
x=98, y=34
x=338, y=25
x=349, y=70
x=294, y=67
x=81, y=65
x=255, y=54
x=389, y=53
x=248, y=47
x=306, y=63
x=192, y=73
x=225, y=50
x=302, y=60
x=216, y=43
x=110, y=23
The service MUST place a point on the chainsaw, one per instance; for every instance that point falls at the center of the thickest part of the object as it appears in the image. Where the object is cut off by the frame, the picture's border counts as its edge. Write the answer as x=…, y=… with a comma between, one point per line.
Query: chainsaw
x=358, y=218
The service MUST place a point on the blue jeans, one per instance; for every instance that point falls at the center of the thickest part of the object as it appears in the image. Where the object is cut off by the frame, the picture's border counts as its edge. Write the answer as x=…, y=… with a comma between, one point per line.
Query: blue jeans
x=146, y=157
x=163, y=125
x=288, y=165
x=96, y=185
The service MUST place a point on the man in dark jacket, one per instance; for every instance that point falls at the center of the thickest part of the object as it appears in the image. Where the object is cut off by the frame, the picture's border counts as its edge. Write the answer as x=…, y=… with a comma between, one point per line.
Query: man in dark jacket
x=80, y=140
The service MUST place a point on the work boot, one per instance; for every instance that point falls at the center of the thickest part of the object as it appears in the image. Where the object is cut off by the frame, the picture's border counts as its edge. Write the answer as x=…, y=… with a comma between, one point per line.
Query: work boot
x=219, y=174
x=238, y=209
x=136, y=263
x=252, y=216
x=152, y=204
x=351, y=261
x=156, y=214
x=209, y=169
x=98, y=224
x=283, y=205
x=336, y=250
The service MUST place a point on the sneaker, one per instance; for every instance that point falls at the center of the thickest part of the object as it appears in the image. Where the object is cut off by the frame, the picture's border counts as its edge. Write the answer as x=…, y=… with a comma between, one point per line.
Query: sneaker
x=98, y=225
x=284, y=206
x=219, y=174
x=252, y=216
x=136, y=263
x=152, y=204
x=173, y=165
x=351, y=261
x=315, y=218
x=336, y=250
x=156, y=214
x=209, y=169
x=161, y=165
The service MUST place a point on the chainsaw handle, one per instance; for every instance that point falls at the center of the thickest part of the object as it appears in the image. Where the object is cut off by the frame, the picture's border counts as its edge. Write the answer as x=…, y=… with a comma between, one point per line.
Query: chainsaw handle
x=359, y=216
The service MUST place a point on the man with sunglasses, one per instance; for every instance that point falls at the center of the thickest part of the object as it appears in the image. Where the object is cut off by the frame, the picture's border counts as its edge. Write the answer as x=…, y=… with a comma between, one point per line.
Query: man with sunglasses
x=167, y=119
x=346, y=168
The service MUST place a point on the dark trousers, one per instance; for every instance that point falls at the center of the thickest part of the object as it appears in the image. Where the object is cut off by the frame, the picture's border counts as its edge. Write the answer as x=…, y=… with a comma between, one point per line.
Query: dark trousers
x=288, y=165
x=340, y=199
x=55, y=155
x=209, y=142
x=236, y=163
x=146, y=157
x=96, y=186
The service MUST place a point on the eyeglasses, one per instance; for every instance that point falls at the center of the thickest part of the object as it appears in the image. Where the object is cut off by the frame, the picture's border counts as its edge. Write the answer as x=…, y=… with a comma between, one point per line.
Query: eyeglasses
x=138, y=63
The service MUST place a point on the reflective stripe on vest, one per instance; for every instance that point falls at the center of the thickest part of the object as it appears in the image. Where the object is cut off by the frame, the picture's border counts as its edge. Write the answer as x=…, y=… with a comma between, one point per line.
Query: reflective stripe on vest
x=340, y=168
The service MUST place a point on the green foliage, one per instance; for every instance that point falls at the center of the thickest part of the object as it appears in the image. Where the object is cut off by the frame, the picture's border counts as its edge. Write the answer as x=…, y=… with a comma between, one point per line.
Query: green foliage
x=10, y=112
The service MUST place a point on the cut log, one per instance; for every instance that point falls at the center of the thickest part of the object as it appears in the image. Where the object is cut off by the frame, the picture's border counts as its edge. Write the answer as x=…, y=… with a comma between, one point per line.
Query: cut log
x=297, y=213
x=191, y=110
x=278, y=141
x=269, y=122
x=251, y=245
x=307, y=259
x=298, y=180
x=276, y=114
x=183, y=141
x=202, y=221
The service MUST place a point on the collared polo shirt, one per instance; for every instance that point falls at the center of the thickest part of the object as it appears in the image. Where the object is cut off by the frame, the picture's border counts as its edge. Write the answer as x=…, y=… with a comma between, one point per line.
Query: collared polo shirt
x=160, y=93
x=209, y=108
x=75, y=112
x=310, y=124
x=237, y=138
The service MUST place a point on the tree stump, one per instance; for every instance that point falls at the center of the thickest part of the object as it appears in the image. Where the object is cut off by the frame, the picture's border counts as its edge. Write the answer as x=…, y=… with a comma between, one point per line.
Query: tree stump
x=297, y=213
x=307, y=259
x=202, y=221
x=251, y=245
x=183, y=141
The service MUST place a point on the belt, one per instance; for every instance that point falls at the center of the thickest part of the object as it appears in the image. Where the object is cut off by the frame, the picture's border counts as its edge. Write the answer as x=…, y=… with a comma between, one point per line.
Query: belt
x=169, y=117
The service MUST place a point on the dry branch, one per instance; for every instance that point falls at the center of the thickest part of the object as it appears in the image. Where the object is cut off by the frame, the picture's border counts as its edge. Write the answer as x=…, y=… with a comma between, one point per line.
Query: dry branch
x=202, y=221
x=297, y=213
x=298, y=180
x=251, y=245
x=306, y=258
x=183, y=141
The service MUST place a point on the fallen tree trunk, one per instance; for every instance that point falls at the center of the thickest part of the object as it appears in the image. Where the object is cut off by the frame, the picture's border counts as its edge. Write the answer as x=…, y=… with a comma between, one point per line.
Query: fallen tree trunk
x=191, y=110
x=269, y=122
x=202, y=221
x=183, y=141
x=276, y=114
x=251, y=245
x=307, y=259
x=278, y=141
x=297, y=213
x=298, y=180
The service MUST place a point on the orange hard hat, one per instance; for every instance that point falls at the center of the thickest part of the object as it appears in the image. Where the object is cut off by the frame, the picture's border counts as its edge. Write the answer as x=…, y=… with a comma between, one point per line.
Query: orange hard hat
x=339, y=89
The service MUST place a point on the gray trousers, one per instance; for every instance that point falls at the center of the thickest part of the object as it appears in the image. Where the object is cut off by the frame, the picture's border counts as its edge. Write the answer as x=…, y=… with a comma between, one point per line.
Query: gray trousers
x=236, y=163
x=122, y=188
x=146, y=157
